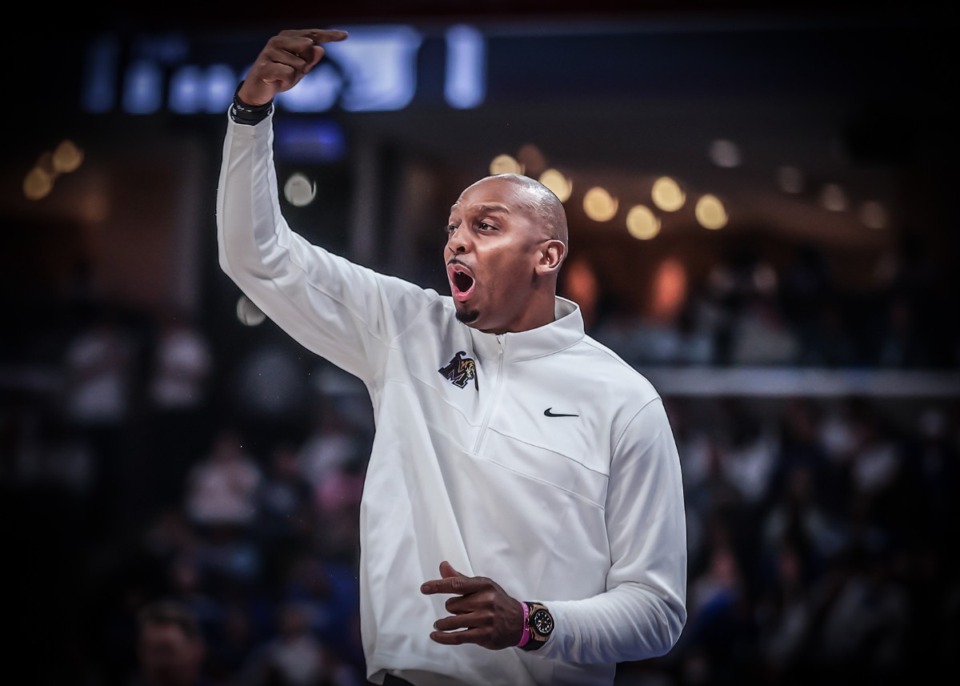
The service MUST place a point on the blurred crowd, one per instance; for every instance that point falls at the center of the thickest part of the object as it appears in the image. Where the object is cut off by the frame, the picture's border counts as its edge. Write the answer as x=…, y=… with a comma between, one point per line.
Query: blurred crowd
x=165, y=475
x=749, y=309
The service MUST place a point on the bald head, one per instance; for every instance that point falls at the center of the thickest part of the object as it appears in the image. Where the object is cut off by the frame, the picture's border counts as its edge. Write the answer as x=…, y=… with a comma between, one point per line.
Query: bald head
x=542, y=202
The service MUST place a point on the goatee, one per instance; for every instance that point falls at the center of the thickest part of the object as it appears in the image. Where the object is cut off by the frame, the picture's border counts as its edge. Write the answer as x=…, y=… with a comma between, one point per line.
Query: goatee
x=467, y=316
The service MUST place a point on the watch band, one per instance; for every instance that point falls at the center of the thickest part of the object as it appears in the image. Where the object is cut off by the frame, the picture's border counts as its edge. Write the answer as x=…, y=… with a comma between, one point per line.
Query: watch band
x=250, y=115
x=525, y=636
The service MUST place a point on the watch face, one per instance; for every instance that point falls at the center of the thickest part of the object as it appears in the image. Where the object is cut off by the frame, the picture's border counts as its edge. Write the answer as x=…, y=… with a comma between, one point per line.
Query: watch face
x=542, y=622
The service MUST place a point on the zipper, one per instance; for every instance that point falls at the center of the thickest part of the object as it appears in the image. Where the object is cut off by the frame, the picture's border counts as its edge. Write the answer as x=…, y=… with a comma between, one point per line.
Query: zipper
x=493, y=397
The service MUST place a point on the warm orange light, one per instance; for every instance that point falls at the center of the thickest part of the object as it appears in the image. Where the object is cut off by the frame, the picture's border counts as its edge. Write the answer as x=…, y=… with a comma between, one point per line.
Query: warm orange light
x=582, y=287
x=669, y=289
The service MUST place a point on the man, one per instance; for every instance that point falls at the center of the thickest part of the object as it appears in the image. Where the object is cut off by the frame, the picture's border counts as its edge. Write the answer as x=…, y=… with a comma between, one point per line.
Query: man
x=527, y=464
x=170, y=646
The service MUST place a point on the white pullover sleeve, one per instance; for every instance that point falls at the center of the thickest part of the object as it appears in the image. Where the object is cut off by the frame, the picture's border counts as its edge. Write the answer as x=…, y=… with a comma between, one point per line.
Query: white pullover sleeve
x=643, y=610
x=339, y=310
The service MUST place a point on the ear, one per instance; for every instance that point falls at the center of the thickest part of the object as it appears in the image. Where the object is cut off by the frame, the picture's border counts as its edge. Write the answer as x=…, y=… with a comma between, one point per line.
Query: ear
x=552, y=254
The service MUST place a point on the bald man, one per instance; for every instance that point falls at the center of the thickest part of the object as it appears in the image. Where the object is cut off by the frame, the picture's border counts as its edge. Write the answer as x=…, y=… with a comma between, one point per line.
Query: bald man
x=522, y=518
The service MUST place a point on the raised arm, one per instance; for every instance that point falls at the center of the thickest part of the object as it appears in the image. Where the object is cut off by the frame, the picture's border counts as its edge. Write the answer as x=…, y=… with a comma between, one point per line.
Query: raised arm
x=330, y=305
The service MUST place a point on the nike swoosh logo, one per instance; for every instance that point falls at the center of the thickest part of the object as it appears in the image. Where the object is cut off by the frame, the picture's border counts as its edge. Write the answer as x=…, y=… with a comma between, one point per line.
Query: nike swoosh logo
x=550, y=413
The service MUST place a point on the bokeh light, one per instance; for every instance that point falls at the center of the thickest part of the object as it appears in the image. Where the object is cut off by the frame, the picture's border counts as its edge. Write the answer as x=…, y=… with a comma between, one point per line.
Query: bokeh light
x=299, y=190
x=37, y=184
x=599, y=205
x=67, y=157
x=561, y=186
x=667, y=194
x=724, y=153
x=710, y=212
x=833, y=197
x=642, y=223
x=505, y=164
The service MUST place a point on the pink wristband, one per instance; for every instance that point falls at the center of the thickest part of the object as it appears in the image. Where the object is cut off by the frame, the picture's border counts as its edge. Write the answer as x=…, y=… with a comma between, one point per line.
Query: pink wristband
x=525, y=636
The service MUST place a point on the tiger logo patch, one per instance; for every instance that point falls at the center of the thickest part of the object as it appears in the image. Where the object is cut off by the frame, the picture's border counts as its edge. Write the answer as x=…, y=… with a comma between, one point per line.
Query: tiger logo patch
x=460, y=371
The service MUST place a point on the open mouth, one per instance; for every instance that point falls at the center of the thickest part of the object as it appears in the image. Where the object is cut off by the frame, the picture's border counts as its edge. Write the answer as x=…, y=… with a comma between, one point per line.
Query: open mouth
x=461, y=282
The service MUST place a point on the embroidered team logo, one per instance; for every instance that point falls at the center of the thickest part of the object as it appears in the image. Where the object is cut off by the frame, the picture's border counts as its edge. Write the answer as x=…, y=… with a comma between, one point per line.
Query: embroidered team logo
x=460, y=371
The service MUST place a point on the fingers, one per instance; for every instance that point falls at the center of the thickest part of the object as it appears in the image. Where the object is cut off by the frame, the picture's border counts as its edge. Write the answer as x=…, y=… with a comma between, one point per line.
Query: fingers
x=319, y=35
x=447, y=571
x=306, y=43
x=475, y=627
x=481, y=612
x=455, y=638
x=488, y=627
x=284, y=61
x=459, y=585
x=450, y=581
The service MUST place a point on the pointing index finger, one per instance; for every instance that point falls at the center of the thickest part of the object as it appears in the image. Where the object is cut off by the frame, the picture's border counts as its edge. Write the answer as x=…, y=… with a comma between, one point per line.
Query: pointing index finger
x=460, y=585
x=327, y=35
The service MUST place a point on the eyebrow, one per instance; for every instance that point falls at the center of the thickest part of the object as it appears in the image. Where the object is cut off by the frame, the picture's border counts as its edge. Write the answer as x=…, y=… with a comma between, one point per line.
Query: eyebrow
x=487, y=209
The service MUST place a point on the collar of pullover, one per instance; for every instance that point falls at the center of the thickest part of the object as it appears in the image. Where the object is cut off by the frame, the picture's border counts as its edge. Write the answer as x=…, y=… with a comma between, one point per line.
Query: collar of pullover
x=564, y=331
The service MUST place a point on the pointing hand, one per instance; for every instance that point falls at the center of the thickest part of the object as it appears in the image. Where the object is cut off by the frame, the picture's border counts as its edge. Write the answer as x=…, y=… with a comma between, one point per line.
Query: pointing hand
x=285, y=59
x=480, y=610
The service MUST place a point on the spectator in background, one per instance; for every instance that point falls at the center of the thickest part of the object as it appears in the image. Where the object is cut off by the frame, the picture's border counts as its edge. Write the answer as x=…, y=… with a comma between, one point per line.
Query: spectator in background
x=181, y=364
x=747, y=459
x=171, y=648
x=721, y=621
x=833, y=343
x=335, y=439
x=784, y=618
x=295, y=656
x=99, y=384
x=180, y=368
x=761, y=336
x=876, y=477
x=236, y=639
x=863, y=619
x=901, y=343
x=797, y=521
x=221, y=501
x=99, y=375
x=934, y=472
x=748, y=454
x=271, y=393
x=187, y=583
x=222, y=487
x=286, y=516
x=328, y=591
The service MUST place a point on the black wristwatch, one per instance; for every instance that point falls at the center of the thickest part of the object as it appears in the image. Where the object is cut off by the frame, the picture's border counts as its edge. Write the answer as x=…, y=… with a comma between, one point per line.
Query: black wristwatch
x=540, y=622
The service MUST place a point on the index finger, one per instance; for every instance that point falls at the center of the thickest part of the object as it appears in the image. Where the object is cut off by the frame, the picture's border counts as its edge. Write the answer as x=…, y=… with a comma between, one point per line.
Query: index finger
x=460, y=585
x=318, y=35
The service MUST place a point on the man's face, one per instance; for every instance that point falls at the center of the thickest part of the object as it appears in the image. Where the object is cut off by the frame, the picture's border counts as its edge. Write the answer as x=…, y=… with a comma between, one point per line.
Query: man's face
x=494, y=241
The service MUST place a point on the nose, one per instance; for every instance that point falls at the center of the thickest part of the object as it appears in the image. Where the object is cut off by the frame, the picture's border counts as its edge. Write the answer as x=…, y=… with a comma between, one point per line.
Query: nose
x=457, y=241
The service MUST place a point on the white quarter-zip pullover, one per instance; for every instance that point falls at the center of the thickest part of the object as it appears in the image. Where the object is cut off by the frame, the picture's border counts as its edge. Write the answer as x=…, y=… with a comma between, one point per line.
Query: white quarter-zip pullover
x=539, y=459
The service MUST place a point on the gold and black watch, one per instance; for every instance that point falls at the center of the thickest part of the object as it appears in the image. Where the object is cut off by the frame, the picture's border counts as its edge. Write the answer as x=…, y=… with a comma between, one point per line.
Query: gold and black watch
x=540, y=623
